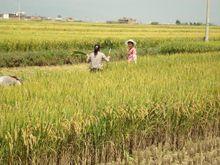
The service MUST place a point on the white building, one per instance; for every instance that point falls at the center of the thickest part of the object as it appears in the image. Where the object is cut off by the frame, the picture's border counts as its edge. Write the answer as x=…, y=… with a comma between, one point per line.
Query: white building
x=21, y=13
x=13, y=15
x=5, y=16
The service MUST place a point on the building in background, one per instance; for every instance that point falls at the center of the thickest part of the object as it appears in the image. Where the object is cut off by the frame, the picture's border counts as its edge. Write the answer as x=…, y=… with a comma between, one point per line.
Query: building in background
x=13, y=16
x=5, y=16
x=70, y=19
x=124, y=20
x=23, y=16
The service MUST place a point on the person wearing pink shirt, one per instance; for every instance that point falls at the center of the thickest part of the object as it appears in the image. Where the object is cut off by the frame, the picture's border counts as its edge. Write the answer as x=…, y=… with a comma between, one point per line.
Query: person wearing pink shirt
x=132, y=52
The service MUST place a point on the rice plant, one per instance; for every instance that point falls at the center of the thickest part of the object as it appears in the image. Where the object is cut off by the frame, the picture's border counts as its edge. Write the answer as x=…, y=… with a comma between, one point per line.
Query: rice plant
x=65, y=113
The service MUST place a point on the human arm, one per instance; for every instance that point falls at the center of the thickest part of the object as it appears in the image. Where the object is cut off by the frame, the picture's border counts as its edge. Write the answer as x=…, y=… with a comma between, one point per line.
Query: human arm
x=106, y=58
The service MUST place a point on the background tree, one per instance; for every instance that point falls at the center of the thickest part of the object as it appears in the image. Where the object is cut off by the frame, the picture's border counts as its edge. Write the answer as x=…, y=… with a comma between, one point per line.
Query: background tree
x=178, y=22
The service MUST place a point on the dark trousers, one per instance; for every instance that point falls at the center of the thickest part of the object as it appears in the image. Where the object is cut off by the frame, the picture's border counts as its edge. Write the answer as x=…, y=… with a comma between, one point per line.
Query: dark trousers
x=95, y=70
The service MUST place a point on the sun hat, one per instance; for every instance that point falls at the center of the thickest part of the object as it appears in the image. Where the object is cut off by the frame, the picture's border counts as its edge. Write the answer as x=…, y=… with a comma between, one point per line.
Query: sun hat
x=130, y=40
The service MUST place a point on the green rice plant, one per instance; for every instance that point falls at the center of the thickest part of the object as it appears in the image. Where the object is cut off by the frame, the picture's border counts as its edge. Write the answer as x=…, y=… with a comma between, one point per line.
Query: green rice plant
x=21, y=42
x=184, y=47
x=50, y=35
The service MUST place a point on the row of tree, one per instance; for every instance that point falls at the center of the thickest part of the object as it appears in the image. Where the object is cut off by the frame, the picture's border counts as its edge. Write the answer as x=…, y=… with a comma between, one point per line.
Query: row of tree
x=178, y=22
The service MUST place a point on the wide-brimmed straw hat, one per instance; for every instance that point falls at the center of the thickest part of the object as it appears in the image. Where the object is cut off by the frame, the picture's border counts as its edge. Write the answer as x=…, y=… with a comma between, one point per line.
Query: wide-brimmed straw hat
x=132, y=41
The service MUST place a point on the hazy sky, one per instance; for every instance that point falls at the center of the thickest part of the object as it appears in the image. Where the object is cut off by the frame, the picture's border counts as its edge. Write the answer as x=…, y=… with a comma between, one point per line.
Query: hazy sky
x=165, y=11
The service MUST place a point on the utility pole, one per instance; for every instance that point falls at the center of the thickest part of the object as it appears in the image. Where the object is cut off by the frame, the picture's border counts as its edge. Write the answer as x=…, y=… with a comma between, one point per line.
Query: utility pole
x=207, y=20
x=19, y=10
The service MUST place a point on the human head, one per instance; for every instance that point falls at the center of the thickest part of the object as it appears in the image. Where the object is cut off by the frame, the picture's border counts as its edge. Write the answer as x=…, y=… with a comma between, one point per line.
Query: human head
x=96, y=49
x=131, y=43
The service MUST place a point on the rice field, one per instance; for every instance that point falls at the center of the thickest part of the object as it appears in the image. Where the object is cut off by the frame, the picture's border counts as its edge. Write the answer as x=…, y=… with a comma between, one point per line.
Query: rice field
x=66, y=114
x=70, y=31
x=164, y=110
x=43, y=43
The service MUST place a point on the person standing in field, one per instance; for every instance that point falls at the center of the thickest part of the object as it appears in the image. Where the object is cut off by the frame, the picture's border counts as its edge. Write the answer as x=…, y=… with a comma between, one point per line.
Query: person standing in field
x=96, y=58
x=132, y=52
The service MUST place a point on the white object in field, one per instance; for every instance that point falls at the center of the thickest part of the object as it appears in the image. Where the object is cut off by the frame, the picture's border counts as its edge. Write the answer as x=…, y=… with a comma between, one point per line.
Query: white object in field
x=9, y=80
